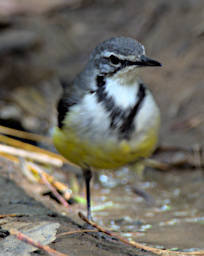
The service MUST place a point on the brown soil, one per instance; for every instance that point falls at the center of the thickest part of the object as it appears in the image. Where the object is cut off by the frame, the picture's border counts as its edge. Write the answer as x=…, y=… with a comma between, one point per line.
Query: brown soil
x=57, y=43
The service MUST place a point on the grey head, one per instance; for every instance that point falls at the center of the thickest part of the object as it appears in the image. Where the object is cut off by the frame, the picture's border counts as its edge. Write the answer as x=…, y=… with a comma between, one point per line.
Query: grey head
x=119, y=53
x=112, y=57
x=108, y=58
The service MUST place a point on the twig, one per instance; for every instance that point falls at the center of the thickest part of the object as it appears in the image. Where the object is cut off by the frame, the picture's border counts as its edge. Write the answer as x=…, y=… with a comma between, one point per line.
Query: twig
x=89, y=231
x=11, y=158
x=77, y=231
x=47, y=183
x=57, y=184
x=30, y=241
x=25, y=135
x=26, y=146
x=156, y=164
x=169, y=148
x=191, y=157
x=182, y=163
x=147, y=197
x=138, y=245
x=40, y=157
x=12, y=215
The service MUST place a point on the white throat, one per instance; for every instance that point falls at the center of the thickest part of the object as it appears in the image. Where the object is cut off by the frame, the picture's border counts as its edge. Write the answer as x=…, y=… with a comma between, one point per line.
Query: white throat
x=127, y=76
x=123, y=87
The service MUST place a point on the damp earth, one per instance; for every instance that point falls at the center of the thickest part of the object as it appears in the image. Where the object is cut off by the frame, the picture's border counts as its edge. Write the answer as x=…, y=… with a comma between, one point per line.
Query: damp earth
x=161, y=207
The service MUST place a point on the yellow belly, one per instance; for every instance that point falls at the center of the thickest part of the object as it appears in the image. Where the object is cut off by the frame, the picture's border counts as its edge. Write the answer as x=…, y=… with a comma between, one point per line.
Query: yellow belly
x=104, y=155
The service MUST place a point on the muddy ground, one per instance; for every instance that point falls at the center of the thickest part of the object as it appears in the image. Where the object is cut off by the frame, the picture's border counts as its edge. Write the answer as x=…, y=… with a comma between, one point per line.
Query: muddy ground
x=38, y=48
x=14, y=200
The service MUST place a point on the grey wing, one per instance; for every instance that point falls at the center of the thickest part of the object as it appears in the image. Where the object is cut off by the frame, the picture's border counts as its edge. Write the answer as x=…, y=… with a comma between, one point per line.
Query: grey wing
x=72, y=95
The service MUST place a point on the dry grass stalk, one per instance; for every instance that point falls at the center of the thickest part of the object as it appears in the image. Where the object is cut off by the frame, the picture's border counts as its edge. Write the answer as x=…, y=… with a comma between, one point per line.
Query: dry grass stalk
x=39, y=157
x=19, y=144
x=11, y=215
x=156, y=251
x=11, y=158
x=34, y=169
x=30, y=241
x=49, y=185
x=25, y=135
x=77, y=232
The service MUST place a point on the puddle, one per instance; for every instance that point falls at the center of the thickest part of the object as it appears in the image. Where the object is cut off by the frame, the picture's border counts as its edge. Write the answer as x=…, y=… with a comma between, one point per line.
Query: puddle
x=174, y=218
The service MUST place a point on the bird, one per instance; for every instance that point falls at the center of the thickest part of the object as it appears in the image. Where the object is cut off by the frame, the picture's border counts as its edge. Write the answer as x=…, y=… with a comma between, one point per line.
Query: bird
x=107, y=117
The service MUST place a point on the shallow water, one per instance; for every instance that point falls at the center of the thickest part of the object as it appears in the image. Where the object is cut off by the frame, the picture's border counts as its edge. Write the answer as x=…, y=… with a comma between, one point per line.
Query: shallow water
x=172, y=216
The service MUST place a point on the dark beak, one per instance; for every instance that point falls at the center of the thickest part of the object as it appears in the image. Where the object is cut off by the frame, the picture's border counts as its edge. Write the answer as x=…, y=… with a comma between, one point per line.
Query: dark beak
x=147, y=62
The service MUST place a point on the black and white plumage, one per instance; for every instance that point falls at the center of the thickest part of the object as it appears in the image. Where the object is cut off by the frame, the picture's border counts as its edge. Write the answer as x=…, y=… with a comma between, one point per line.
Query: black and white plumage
x=107, y=117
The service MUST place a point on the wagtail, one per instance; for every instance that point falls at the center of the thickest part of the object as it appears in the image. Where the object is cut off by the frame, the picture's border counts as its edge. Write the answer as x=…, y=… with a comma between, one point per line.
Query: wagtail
x=107, y=117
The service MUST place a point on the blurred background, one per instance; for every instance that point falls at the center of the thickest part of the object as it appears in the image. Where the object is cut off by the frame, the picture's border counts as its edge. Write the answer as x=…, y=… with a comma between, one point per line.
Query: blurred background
x=43, y=40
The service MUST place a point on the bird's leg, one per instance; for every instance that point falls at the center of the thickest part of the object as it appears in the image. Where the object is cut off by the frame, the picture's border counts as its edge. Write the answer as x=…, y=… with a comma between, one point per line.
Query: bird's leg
x=87, y=177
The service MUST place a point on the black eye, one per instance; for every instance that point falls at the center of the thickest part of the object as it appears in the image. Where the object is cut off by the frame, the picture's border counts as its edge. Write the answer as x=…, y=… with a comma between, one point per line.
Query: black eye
x=114, y=60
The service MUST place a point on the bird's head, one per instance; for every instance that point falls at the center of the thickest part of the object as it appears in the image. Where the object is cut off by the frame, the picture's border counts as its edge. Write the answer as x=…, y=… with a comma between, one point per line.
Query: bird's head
x=119, y=56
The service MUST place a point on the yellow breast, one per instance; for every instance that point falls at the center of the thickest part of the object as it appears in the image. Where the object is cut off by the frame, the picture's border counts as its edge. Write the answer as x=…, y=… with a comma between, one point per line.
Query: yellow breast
x=106, y=154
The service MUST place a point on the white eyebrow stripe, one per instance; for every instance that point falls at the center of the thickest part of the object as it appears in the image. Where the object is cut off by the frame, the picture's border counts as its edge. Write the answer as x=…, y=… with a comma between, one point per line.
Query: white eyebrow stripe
x=121, y=57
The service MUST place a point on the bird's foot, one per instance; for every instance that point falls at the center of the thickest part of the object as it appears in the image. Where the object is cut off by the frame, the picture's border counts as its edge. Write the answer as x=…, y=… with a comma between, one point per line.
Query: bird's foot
x=95, y=230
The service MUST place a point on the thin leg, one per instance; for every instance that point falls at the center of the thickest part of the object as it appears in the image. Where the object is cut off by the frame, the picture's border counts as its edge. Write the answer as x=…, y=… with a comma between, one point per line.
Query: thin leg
x=87, y=177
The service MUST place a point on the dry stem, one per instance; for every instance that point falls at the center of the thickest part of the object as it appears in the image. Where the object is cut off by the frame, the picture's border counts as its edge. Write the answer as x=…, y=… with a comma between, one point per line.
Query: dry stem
x=40, y=157
x=138, y=245
x=30, y=241
x=49, y=185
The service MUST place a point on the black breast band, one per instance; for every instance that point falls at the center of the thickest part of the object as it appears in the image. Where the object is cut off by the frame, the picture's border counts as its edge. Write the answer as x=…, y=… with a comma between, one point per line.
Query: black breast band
x=116, y=113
